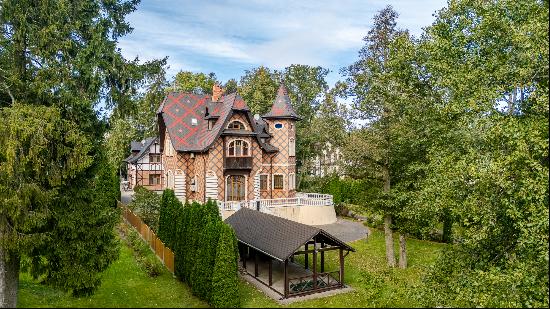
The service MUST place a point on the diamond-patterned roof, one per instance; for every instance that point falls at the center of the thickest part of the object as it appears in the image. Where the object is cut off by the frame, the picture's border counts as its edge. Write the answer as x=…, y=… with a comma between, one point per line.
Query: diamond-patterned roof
x=185, y=118
x=282, y=108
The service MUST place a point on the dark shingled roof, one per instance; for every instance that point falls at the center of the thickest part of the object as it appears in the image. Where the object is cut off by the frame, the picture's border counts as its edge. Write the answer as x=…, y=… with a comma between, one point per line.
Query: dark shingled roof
x=282, y=108
x=275, y=236
x=178, y=110
x=143, y=149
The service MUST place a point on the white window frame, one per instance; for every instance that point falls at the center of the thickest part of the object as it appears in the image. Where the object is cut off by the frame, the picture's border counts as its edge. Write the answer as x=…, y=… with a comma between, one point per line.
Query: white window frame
x=291, y=181
x=267, y=180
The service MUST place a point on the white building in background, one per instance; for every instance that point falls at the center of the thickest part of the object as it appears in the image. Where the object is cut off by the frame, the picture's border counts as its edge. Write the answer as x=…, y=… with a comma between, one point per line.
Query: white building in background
x=329, y=162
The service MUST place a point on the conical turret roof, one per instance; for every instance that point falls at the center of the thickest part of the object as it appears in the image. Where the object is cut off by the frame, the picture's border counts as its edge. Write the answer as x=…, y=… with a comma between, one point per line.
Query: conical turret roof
x=282, y=108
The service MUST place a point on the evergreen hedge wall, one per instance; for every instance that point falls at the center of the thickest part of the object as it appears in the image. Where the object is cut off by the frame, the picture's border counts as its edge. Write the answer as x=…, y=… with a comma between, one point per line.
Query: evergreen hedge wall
x=205, y=249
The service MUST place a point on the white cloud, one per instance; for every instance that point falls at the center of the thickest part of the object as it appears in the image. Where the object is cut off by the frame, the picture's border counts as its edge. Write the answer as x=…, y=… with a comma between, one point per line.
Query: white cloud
x=227, y=36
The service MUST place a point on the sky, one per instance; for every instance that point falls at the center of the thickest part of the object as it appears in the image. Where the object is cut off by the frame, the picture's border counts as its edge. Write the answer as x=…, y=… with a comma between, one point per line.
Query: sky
x=228, y=37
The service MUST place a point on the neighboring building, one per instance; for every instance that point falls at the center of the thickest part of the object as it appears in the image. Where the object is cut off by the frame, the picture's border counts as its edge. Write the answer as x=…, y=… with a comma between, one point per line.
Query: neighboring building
x=144, y=164
x=213, y=148
x=328, y=163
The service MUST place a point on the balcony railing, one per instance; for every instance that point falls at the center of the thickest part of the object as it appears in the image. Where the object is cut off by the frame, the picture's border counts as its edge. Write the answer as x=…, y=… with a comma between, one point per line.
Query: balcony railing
x=265, y=205
x=238, y=163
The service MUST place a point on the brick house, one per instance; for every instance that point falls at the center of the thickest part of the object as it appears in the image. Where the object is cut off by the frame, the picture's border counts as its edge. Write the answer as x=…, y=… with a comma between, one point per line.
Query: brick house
x=213, y=147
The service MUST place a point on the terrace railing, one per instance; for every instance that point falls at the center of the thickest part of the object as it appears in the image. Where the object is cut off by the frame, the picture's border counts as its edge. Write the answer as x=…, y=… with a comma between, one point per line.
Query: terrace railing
x=265, y=205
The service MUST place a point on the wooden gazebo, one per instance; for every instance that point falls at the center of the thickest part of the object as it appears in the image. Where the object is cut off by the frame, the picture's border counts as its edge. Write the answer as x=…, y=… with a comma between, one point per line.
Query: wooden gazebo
x=264, y=236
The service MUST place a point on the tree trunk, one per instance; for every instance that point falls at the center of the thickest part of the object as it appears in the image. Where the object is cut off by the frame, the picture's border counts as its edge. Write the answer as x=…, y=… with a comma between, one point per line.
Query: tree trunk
x=447, y=227
x=390, y=256
x=9, y=278
x=402, y=251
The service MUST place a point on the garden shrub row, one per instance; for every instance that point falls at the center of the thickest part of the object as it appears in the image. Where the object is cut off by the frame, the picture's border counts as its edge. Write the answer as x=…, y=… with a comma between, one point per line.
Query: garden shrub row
x=205, y=249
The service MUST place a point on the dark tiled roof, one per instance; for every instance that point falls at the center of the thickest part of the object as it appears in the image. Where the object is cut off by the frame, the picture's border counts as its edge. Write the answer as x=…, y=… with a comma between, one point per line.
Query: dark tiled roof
x=275, y=236
x=186, y=119
x=143, y=149
x=135, y=146
x=282, y=108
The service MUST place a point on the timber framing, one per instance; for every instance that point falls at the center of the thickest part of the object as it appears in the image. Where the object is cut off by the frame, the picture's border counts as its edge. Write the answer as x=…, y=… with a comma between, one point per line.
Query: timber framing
x=272, y=238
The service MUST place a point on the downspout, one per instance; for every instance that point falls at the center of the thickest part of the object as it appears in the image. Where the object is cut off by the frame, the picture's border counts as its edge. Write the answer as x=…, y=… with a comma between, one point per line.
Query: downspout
x=204, y=178
x=271, y=175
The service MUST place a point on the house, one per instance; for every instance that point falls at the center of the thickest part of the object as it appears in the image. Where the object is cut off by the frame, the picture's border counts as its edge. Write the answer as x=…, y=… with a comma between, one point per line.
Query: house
x=144, y=166
x=213, y=148
x=328, y=163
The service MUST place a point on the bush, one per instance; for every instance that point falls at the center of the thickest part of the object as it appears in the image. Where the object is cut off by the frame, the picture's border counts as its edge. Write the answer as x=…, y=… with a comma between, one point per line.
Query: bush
x=146, y=204
x=225, y=289
x=170, y=208
x=143, y=254
x=206, y=257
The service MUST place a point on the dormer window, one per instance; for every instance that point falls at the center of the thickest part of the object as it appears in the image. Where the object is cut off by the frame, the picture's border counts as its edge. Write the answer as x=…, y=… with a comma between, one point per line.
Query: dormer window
x=194, y=121
x=210, y=124
x=236, y=125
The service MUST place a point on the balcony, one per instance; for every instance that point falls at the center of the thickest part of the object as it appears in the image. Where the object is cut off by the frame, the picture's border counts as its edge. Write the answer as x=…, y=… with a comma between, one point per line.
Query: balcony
x=238, y=163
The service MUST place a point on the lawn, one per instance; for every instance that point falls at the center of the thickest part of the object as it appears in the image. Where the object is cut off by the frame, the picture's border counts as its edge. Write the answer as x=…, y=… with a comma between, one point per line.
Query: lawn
x=125, y=284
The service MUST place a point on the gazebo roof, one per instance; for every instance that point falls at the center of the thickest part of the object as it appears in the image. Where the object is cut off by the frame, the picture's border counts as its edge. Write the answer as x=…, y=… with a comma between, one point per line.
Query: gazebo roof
x=276, y=237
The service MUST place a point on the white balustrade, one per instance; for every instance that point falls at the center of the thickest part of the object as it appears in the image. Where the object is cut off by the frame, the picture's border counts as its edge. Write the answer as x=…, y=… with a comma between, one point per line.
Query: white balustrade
x=301, y=199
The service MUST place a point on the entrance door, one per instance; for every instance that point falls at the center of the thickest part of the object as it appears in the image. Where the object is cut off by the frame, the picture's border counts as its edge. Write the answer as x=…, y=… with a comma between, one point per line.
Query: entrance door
x=235, y=188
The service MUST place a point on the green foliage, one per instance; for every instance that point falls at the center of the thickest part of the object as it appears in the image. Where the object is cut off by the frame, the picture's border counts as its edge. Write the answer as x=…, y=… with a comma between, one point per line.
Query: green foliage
x=225, y=289
x=206, y=257
x=170, y=210
x=198, y=83
x=143, y=254
x=258, y=87
x=146, y=204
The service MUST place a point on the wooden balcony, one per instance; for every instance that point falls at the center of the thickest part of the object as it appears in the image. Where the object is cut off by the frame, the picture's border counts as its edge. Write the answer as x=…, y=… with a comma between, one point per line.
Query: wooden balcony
x=238, y=163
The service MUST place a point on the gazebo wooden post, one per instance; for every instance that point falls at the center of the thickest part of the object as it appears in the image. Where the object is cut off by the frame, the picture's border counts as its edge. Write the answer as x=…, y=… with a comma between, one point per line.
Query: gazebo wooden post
x=341, y=266
x=270, y=271
x=286, y=279
x=322, y=257
x=306, y=257
x=314, y=265
x=255, y=263
x=245, y=256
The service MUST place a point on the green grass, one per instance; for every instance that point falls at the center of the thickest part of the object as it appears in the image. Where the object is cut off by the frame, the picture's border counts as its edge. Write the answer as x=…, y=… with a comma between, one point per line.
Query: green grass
x=374, y=284
x=125, y=284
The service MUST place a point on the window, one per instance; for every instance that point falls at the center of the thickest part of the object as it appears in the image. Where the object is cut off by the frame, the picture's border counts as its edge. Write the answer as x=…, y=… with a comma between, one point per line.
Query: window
x=168, y=149
x=278, y=126
x=238, y=148
x=291, y=181
x=263, y=182
x=210, y=124
x=154, y=158
x=291, y=147
x=236, y=125
x=236, y=188
x=154, y=179
x=278, y=182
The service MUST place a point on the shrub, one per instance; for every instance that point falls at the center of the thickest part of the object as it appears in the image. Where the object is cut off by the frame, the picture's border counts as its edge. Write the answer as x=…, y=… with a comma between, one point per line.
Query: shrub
x=146, y=204
x=206, y=257
x=170, y=207
x=225, y=289
x=143, y=254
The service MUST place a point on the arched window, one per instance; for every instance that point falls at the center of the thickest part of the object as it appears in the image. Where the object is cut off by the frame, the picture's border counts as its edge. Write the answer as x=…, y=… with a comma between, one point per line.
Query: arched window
x=238, y=148
x=291, y=147
x=236, y=125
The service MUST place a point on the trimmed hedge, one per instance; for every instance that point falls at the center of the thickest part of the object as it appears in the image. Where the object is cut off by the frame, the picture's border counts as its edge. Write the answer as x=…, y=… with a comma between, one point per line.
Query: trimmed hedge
x=225, y=291
x=194, y=233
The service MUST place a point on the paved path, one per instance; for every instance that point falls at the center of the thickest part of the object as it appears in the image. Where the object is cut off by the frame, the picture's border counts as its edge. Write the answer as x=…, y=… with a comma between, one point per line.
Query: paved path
x=346, y=230
x=126, y=196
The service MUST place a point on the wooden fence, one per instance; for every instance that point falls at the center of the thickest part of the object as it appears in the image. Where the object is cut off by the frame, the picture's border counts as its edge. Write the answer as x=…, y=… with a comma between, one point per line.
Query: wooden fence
x=162, y=252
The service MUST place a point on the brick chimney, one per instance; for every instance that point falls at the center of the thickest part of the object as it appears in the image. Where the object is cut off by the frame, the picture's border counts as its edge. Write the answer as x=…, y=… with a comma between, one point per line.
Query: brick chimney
x=217, y=92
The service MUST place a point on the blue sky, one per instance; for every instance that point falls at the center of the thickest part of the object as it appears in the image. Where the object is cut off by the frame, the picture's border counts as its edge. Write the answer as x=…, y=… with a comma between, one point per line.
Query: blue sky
x=228, y=36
